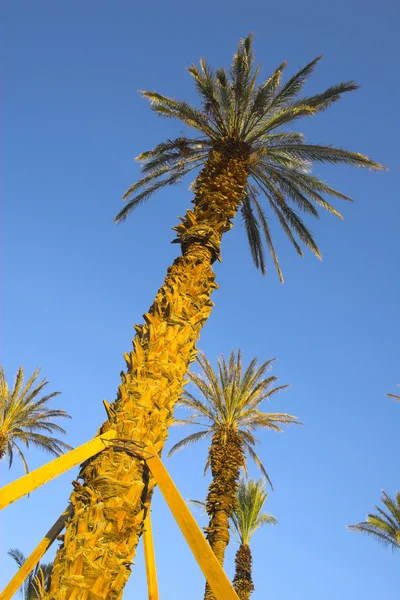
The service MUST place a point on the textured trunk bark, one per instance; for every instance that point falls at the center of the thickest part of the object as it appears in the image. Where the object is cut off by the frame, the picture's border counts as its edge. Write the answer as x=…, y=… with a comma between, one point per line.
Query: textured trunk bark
x=243, y=582
x=226, y=459
x=3, y=444
x=110, y=505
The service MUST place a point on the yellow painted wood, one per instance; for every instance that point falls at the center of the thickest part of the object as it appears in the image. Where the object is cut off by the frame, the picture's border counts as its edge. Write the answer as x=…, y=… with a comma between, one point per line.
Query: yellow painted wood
x=35, y=557
x=19, y=488
x=151, y=573
x=208, y=563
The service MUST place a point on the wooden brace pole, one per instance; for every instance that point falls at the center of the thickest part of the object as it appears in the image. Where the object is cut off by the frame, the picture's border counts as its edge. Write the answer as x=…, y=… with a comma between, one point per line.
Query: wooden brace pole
x=25, y=485
x=151, y=573
x=212, y=570
x=35, y=557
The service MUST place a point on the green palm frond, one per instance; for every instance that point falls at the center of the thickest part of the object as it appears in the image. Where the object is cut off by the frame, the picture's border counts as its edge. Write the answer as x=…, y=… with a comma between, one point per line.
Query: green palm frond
x=26, y=418
x=384, y=525
x=248, y=515
x=394, y=396
x=230, y=400
x=235, y=109
x=38, y=581
x=190, y=439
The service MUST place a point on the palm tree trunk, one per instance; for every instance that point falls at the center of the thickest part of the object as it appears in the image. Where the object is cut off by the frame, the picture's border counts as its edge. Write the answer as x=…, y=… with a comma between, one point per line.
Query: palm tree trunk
x=243, y=582
x=3, y=445
x=110, y=505
x=226, y=458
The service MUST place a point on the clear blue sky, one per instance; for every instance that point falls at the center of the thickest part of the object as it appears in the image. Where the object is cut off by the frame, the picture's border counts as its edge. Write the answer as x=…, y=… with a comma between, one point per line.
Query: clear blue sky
x=75, y=283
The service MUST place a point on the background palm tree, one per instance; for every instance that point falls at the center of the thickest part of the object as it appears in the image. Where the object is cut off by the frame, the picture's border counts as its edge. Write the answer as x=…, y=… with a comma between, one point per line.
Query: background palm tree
x=37, y=581
x=394, y=397
x=246, y=519
x=384, y=525
x=244, y=153
x=25, y=418
x=229, y=413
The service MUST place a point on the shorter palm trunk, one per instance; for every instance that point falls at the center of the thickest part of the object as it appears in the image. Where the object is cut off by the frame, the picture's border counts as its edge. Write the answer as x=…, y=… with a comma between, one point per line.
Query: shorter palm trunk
x=243, y=582
x=226, y=458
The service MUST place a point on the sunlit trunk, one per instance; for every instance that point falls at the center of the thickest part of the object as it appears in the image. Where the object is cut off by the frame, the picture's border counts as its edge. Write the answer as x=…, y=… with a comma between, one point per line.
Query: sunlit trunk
x=226, y=459
x=243, y=582
x=114, y=492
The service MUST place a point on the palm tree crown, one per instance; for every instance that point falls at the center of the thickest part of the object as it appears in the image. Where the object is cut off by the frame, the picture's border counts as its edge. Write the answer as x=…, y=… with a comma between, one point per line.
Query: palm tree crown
x=25, y=417
x=394, y=397
x=384, y=525
x=248, y=515
x=38, y=580
x=239, y=115
x=231, y=400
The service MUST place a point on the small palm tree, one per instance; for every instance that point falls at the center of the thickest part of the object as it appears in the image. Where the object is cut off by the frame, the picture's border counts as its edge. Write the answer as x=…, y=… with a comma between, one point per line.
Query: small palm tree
x=228, y=413
x=37, y=582
x=246, y=519
x=25, y=417
x=385, y=524
x=394, y=397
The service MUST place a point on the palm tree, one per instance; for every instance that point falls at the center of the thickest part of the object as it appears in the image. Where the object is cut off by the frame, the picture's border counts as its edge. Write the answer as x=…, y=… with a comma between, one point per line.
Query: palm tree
x=242, y=149
x=37, y=582
x=25, y=418
x=229, y=412
x=394, y=397
x=385, y=524
x=246, y=519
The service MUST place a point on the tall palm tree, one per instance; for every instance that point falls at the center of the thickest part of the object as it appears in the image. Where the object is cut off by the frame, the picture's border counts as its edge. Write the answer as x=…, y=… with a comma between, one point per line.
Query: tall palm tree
x=37, y=582
x=229, y=413
x=25, y=418
x=246, y=519
x=242, y=149
x=384, y=525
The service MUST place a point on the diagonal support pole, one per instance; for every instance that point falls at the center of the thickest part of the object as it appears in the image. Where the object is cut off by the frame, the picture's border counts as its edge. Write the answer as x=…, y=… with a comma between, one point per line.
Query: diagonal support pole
x=208, y=563
x=151, y=573
x=25, y=485
x=35, y=557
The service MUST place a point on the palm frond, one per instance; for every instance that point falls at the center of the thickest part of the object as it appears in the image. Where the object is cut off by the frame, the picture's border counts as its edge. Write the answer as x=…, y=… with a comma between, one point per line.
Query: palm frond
x=329, y=154
x=394, y=396
x=385, y=525
x=257, y=461
x=268, y=236
x=25, y=417
x=253, y=234
x=248, y=515
x=17, y=555
x=190, y=439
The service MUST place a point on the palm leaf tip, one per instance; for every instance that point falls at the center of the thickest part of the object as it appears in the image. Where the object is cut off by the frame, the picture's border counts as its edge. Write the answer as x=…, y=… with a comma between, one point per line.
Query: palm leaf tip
x=384, y=525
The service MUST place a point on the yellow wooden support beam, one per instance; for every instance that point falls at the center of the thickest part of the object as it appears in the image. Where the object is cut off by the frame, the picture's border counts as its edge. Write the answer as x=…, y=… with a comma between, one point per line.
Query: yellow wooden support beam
x=35, y=557
x=212, y=570
x=151, y=573
x=19, y=488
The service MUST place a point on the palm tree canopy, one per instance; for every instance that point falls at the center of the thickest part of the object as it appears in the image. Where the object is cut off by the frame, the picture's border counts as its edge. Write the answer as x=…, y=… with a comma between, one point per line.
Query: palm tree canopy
x=394, y=397
x=230, y=401
x=384, y=525
x=37, y=580
x=248, y=515
x=25, y=417
x=237, y=113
